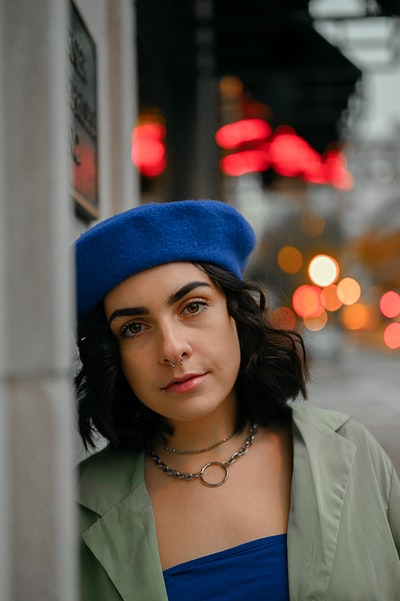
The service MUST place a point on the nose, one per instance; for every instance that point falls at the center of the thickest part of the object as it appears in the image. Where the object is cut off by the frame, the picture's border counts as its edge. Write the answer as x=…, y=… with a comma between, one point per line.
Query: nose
x=173, y=344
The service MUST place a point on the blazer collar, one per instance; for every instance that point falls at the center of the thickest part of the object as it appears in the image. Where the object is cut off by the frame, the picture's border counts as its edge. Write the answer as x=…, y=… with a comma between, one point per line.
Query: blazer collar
x=322, y=469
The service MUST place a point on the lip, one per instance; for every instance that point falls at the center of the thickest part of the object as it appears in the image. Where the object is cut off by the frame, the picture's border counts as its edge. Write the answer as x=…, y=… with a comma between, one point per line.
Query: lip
x=185, y=383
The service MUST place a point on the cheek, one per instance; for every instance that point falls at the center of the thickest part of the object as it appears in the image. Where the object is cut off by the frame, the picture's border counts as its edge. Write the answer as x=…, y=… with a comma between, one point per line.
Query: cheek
x=132, y=369
x=236, y=349
x=232, y=344
x=234, y=332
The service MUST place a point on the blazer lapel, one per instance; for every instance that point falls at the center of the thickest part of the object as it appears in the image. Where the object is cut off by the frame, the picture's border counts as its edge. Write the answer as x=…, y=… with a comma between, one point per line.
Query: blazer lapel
x=322, y=469
x=123, y=538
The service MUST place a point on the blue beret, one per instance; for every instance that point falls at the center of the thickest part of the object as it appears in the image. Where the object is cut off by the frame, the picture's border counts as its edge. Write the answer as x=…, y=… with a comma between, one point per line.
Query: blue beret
x=206, y=231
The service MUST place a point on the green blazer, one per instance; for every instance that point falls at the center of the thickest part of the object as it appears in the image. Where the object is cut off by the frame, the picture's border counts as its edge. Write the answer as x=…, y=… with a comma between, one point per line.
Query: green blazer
x=344, y=523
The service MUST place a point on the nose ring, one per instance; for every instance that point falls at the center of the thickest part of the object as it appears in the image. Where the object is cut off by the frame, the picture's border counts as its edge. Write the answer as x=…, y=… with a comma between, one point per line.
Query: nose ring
x=173, y=365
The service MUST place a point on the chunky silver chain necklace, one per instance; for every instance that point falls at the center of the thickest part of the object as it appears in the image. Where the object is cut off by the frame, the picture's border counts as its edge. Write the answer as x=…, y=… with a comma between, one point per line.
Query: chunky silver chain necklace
x=201, y=475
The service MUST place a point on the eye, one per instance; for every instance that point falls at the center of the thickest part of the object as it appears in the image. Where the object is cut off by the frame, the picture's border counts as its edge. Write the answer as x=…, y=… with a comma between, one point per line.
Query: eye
x=132, y=329
x=195, y=307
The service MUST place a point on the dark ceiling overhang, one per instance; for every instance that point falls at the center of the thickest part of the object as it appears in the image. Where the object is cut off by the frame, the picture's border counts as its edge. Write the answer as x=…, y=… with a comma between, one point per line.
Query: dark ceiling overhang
x=283, y=62
x=389, y=8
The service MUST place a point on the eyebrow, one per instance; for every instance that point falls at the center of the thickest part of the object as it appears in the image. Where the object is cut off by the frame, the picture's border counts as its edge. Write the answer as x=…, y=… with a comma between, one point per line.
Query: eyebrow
x=176, y=296
x=172, y=299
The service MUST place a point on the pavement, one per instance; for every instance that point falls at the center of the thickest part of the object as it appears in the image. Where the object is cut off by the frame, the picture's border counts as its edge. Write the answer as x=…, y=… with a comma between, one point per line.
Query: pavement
x=364, y=383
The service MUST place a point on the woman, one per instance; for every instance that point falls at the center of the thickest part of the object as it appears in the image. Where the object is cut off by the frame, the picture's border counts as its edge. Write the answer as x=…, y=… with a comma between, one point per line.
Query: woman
x=213, y=485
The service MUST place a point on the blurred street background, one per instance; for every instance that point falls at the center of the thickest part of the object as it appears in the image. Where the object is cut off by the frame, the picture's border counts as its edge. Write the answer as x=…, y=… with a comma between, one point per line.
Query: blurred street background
x=363, y=383
x=291, y=112
x=288, y=110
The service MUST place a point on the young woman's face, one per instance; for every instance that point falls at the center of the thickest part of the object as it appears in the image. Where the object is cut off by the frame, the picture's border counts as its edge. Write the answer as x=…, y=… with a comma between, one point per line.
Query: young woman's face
x=166, y=312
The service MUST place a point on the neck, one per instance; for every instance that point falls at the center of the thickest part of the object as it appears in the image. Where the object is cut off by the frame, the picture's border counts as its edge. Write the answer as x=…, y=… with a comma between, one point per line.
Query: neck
x=202, y=433
x=192, y=441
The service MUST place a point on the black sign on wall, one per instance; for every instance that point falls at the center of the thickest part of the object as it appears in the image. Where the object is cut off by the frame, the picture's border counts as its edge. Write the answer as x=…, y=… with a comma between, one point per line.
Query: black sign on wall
x=83, y=117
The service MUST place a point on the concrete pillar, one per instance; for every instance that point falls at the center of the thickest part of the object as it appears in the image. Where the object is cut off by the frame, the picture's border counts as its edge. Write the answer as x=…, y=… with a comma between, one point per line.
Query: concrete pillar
x=4, y=472
x=37, y=527
x=38, y=444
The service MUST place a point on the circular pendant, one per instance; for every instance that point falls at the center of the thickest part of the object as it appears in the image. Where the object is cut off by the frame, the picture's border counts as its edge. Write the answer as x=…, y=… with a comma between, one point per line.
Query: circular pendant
x=218, y=482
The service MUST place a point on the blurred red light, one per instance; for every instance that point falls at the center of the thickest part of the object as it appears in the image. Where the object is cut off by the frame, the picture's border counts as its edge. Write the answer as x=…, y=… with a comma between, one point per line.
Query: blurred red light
x=149, y=130
x=292, y=156
x=313, y=169
x=285, y=151
x=307, y=301
x=148, y=149
x=245, y=161
x=242, y=132
x=285, y=154
x=389, y=304
x=335, y=167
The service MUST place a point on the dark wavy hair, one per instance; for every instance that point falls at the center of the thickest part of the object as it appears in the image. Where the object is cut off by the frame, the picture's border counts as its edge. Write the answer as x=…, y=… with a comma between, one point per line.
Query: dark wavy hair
x=273, y=370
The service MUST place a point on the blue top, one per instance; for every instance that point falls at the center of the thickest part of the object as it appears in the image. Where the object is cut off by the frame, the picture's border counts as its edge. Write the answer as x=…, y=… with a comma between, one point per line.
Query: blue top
x=256, y=570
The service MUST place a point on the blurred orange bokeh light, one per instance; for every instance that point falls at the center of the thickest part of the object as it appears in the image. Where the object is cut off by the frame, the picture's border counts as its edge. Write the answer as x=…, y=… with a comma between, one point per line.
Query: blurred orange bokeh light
x=348, y=291
x=284, y=318
x=391, y=335
x=317, y=322
x=358, y=317
x=306, y=301
x=330, y=299
x=290, y=259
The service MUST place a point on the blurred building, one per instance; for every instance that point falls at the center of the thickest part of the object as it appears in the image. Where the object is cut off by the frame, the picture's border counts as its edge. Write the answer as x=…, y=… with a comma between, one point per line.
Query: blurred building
x=374, y=216
x=259, y=109
x=290, y=75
